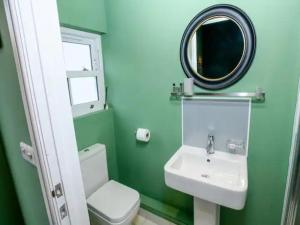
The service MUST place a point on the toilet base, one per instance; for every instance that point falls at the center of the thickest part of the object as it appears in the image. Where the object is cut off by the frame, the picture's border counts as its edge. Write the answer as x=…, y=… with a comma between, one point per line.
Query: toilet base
x=98, y=220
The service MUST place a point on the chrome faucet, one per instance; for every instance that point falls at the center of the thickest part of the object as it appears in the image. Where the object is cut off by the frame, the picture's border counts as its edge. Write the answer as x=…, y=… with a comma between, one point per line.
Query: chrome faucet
x=210, y=144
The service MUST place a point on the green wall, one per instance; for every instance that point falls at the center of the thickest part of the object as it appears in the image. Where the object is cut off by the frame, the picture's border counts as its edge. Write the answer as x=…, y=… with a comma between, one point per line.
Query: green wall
x=14, y=130
x=141, y=61
x=10, y=212
x=141, y=52
x=85, y=15
x=95, y=128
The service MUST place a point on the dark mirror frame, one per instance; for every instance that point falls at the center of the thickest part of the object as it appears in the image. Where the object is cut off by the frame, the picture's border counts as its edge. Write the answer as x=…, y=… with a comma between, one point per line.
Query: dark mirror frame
x=247, y=28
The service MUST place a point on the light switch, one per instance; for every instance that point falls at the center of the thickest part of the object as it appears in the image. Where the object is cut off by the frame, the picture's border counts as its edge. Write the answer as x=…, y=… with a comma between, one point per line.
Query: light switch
x=27, y=153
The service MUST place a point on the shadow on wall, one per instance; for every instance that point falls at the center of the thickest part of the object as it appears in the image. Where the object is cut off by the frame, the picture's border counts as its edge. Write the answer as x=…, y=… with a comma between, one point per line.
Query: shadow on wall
x=10, y=212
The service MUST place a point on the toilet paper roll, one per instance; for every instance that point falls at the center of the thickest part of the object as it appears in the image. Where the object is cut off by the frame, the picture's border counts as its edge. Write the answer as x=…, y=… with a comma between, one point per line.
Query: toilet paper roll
x=142, y=135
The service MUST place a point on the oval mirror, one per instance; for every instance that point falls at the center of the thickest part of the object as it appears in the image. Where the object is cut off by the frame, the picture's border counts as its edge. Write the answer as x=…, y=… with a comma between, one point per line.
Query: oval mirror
x=218, y=47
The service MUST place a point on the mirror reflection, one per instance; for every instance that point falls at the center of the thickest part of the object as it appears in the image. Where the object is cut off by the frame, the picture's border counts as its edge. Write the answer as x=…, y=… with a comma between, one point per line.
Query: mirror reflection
x=216, y=48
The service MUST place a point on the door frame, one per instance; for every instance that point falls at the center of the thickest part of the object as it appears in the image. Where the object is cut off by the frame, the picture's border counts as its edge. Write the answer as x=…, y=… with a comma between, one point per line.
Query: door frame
x=293, y=179
x=36, y=40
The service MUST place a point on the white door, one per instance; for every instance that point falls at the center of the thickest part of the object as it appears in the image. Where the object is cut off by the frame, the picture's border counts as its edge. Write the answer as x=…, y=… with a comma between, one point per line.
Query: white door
x=35, y=34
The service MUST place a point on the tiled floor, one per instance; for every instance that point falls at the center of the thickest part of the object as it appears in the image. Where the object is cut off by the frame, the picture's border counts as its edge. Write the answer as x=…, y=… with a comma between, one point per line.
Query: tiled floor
x=146, y=218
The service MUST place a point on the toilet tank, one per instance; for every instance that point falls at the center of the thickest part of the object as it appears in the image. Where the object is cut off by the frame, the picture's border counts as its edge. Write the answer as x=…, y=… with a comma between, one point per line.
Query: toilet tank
x=93, y=168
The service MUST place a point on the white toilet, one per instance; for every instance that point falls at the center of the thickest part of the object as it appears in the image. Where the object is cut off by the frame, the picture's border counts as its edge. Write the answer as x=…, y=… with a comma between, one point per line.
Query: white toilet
x=109, y=202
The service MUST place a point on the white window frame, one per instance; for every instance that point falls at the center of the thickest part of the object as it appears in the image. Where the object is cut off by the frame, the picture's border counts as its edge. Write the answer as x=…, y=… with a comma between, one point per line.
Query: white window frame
x=94, y=40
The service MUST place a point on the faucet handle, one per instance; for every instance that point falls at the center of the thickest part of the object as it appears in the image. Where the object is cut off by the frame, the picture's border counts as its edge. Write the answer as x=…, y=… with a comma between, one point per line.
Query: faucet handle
x=210, y=144
x=211, y=137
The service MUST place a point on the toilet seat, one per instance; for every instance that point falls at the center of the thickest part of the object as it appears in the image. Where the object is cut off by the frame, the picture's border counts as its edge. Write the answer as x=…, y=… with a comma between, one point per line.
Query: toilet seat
x=114, y=202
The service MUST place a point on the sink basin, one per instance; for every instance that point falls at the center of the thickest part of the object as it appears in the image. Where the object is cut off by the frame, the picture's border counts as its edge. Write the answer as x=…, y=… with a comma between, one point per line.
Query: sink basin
x=219, y=178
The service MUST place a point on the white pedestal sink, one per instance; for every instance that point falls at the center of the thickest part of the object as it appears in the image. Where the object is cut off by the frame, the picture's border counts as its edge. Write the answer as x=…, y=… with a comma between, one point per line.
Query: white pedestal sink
x=213, y=179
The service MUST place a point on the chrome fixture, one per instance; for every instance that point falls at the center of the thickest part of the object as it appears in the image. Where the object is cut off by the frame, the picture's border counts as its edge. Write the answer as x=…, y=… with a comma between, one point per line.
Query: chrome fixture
x=210, y=144
x=257, y=96
x=235, y=146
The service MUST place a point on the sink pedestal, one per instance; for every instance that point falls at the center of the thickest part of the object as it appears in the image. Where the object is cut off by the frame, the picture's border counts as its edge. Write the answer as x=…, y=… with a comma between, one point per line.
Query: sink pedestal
x=206, y=213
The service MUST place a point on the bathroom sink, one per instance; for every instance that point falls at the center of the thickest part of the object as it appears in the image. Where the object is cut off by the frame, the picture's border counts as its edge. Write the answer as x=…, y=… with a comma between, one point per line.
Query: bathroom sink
x=219, y=178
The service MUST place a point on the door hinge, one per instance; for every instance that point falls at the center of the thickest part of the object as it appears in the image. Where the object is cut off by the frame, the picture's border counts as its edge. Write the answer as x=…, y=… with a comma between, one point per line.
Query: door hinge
x=57, y=192
x=63, y=211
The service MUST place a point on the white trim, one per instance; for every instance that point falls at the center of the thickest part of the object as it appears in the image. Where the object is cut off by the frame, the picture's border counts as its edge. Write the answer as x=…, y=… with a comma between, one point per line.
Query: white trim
x=182, y=121
x=249, y=124
x=292, y=157
x=94, y=40
x=48, y=203
x=39, y=60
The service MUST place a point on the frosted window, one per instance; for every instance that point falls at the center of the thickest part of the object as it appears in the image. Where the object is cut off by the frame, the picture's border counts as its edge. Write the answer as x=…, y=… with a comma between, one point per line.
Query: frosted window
x=77, y=56
x=83, y=89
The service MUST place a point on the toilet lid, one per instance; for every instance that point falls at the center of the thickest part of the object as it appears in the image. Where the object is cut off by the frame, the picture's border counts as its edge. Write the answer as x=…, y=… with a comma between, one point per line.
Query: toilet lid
x=113, y=201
